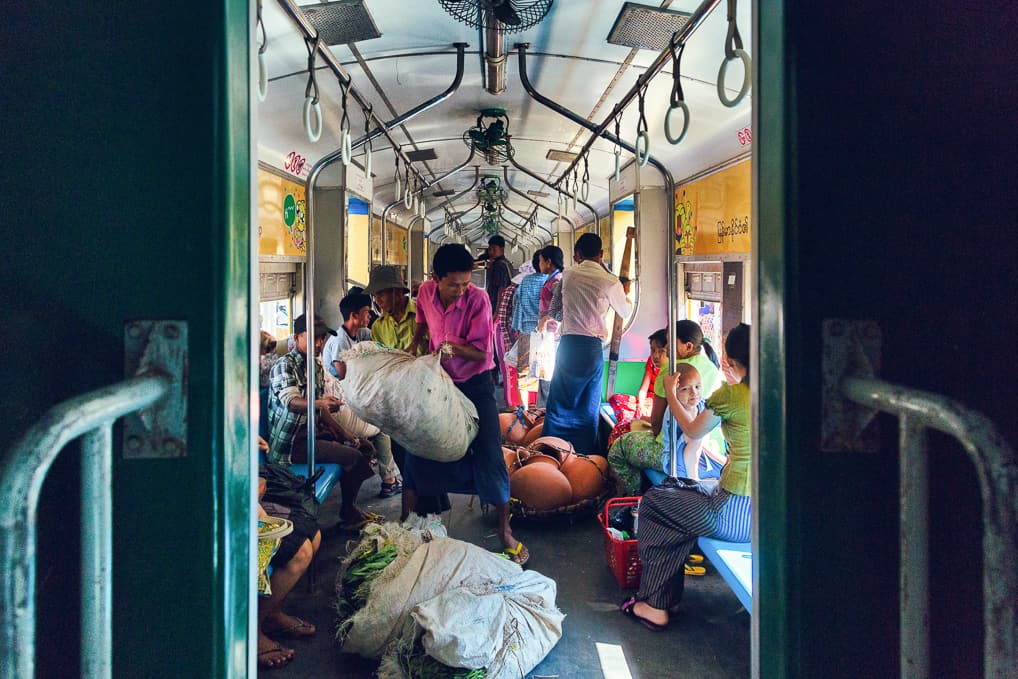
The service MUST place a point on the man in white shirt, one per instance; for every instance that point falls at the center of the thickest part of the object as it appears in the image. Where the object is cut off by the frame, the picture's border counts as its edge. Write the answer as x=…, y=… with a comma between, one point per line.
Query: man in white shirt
x=356, y=310
x=586, y=292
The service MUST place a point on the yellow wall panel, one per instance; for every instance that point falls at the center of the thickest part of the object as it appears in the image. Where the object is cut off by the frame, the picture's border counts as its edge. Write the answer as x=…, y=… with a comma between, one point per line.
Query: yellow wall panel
x=712, y=215
x=282, y=216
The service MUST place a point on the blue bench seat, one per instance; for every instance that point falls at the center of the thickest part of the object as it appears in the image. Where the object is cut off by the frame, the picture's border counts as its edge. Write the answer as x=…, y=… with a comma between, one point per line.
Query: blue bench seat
x=734, y=561
x=325, y=483
x=608, y=414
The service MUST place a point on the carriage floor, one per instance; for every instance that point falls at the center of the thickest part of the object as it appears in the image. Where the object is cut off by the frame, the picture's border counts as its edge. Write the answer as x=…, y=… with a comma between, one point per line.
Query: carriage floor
x=709, y=638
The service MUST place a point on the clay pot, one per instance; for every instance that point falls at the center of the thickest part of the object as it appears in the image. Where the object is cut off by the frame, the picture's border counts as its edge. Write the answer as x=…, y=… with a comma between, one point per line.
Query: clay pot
x=542, y=458
x=585, y=477
x=533, y=433
x=512, y=430
x=541, y=486
x=601, y=462
x=552, y=445
x=512, y=459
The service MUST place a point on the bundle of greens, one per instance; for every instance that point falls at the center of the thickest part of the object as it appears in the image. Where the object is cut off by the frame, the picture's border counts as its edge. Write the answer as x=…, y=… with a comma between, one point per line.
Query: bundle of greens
x=418, y=664
x=356, y=582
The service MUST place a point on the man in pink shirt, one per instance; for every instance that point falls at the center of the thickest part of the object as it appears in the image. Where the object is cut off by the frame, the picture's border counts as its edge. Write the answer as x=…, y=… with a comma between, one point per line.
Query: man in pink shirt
x=457, y=316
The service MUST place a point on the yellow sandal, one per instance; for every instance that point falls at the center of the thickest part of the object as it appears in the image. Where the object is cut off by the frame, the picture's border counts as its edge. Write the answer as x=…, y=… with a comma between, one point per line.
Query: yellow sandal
x=695, y=570
x=519, y=556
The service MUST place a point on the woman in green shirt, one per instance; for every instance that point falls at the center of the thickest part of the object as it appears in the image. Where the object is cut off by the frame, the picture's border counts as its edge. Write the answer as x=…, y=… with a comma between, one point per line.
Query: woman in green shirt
x=648, y=447
x=672, y=519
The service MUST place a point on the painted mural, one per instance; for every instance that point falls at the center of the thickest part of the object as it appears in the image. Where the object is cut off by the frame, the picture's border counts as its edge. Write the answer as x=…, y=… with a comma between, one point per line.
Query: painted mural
x=712, y=215
x=282, y=216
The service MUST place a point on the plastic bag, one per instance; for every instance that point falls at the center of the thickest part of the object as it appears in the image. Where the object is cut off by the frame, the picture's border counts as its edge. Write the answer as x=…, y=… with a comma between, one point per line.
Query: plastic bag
x=512, y=357
x=411, y=399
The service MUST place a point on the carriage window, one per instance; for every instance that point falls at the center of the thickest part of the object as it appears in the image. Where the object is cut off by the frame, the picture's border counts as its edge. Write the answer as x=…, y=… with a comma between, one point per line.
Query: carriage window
x=622, y=219
x=358, y=216
x=276, y=317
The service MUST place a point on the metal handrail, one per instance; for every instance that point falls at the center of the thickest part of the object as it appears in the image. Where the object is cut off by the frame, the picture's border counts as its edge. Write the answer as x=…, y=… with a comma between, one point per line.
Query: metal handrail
x=997, y=470
x=312, y=182
x=21, y=479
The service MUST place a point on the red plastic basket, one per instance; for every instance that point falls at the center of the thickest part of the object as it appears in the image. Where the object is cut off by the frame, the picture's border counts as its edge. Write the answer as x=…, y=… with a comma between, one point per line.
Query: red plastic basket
x=623, y=557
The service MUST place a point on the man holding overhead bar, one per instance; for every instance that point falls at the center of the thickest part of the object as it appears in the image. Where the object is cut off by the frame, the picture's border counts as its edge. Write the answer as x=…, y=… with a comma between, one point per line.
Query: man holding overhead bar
x=586, y=292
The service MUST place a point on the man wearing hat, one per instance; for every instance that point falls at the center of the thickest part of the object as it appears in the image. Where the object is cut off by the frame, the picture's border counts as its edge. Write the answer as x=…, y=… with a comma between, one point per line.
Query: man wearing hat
x=396, y=326
x=288, y=408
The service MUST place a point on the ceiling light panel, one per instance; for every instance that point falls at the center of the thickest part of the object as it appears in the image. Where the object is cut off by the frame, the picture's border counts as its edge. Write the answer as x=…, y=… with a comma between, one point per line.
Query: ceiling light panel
x=645, y=27
x=342, y=21
x=561, y=156
x=421, y=155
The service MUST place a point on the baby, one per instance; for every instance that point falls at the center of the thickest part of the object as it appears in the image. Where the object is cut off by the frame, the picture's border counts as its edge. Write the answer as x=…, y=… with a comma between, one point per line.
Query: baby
x=688, y=391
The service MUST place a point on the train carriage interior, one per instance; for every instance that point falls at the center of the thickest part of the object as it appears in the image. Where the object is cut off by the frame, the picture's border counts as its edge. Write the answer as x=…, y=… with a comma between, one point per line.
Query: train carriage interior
x=192, y=180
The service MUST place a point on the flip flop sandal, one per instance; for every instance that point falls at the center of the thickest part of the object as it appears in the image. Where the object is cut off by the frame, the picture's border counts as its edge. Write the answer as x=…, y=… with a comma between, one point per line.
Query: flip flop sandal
x=519, y=556
x=695, y=570
x=627, y=609
x=695, y=559
x=298, y=630
x=267, y=664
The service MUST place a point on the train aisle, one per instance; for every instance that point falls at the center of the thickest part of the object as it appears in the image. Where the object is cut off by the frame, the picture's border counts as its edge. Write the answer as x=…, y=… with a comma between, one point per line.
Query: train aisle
x=709, y=639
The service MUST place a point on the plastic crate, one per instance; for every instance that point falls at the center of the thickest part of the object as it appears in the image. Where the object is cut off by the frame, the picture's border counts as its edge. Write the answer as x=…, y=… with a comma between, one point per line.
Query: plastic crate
x=623, y=556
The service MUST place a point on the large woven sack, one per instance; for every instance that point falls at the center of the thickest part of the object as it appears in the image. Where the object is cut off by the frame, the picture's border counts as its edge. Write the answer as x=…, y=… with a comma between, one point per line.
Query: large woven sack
x=470, y=607
x=413, y=400
x=345, y=415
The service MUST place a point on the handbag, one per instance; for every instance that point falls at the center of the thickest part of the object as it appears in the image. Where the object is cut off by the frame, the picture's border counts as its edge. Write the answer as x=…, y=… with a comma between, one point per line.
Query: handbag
x=285, y=489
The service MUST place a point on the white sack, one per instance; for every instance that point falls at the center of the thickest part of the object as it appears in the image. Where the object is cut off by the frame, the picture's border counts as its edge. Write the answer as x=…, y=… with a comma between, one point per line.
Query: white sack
x=431, y=569
x=507, y=628
x=413, y=400
x=345, y=415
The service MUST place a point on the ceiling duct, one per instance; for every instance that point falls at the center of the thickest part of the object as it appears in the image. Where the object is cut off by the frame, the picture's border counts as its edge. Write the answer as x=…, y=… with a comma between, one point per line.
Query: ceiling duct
x=494, y=56
x=496, y=18
x=342, y=21
x=645, y=27
x=443, y=193
x=560, y=156
x=421, y=155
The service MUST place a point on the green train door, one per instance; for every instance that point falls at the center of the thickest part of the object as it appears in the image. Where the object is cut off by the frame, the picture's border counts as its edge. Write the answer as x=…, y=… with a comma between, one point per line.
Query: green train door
x=126, y=174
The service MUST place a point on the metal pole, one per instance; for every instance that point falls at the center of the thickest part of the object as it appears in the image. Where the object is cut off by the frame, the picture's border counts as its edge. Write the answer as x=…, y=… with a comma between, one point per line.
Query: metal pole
x=97, y=553
x=309, y=319
x=311, y=33
x=316, y=170
x=996, y=467
x=914, y=565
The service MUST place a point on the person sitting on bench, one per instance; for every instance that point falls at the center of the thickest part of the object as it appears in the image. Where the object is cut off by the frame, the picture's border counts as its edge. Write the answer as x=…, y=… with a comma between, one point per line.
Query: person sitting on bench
x=671, y=519
x=288, y=407
x=288, y=564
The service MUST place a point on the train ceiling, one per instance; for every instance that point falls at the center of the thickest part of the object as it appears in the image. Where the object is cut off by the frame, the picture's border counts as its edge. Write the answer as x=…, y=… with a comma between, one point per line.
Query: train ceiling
x=569, y=60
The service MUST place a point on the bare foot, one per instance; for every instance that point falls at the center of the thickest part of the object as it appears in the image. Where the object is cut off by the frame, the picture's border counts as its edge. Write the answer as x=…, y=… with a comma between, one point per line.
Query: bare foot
x=279, y=624
x=655, y=615
x=271, y=655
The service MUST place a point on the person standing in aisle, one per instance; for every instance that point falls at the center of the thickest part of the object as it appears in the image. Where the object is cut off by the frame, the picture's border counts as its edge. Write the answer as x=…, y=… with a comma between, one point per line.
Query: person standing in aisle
x=458, y=317
x=586, y=292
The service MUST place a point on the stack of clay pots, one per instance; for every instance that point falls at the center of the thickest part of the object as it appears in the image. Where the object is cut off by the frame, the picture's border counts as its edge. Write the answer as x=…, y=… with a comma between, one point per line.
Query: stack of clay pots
x=522, y=427
x=548, y=474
